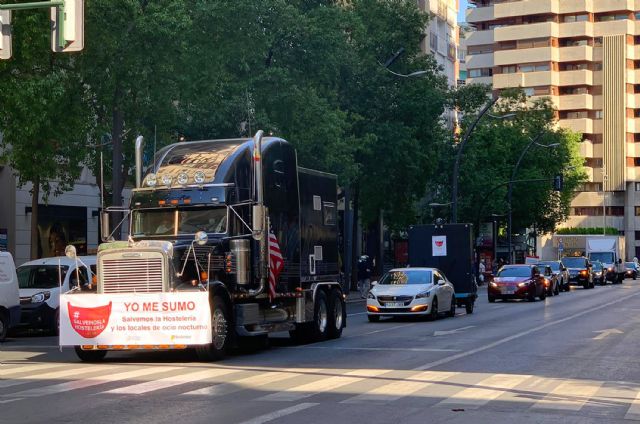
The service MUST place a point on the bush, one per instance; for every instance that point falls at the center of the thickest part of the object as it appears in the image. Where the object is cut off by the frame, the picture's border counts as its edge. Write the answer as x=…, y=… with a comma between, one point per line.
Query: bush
x=588, y=230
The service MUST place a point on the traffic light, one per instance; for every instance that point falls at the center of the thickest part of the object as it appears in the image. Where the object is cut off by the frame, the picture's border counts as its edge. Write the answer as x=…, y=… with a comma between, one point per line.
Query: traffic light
x=558, y=182
x=5, y=34
x=67, y=26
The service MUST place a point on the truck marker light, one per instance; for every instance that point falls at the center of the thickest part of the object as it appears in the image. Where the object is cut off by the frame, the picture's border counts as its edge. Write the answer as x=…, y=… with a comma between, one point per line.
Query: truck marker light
x=186, y=201
x=174, y=201
x=162, y=202
x=204, y=276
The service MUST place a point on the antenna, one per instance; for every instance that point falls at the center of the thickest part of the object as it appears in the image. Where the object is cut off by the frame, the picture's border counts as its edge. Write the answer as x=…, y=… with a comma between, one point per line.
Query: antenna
x=101, y=181
x=155, y=142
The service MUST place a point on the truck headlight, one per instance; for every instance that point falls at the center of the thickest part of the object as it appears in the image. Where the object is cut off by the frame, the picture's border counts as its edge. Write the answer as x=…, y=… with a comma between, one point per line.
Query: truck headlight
x=40, y=297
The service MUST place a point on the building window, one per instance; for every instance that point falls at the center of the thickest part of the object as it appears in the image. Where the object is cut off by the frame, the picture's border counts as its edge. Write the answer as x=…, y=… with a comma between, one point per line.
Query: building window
x=575, y=18
x=433, y=42
x=636, y=161
x=511, y=69
x=637, y=186
x=598, y=114
x=480, y=72
x=482, y=49
x=614, y=17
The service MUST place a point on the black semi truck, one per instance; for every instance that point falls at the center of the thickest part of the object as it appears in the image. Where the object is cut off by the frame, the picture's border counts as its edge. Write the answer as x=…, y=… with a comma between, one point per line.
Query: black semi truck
x=448, y=247
x=206, y=216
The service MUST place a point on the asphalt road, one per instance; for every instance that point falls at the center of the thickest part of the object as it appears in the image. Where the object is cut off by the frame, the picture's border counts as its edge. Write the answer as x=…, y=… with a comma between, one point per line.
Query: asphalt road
x=570, y=359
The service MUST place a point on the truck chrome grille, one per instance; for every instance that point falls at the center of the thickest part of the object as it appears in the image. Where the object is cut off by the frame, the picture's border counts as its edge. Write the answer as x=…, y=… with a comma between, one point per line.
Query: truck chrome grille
x=127, y=275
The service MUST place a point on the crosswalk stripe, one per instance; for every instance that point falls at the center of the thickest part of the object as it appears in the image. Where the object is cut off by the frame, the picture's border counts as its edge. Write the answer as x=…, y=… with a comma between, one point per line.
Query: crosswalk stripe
x=485, y=391
x=69, y=372
x=242, y=384
x=633, y=413
x=279, y=414
x=322, y=385
x=38, y=367
x=570, y=395
x=403, y=387
x=176, y=380
x=89, y=382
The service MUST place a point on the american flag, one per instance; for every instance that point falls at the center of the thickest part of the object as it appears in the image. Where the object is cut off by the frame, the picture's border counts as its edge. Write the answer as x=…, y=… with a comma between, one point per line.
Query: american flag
x=276, y=264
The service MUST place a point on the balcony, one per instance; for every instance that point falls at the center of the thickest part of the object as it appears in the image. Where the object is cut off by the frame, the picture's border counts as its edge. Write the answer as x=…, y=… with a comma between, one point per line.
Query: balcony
x=575, y=29
x=507, y=80
x=581, y=125
x=535, y=79
x=480, y=38
x=524, y=8
x=575, y=101
x=633, y=52
x=633, y=101
x=609, y=5
x=582, y=77
x=633, y=125
x=613, y=27
x=525, y=32
x=575, y=53
x=512, y=57
x=479, y=61
x=586, y=149
x=480, y=80
x=573, y=6
x=633, y=76
x=479, y=14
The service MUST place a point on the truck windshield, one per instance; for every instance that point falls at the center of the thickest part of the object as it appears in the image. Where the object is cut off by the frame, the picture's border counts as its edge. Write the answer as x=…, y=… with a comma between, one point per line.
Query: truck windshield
x=162, y=222
x=41, y=276
x=604, y=257
x=555, y=266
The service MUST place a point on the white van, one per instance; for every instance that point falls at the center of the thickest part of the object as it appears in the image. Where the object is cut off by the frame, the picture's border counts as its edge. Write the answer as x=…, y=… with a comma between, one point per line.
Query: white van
x=9, y=300
x=41, y=283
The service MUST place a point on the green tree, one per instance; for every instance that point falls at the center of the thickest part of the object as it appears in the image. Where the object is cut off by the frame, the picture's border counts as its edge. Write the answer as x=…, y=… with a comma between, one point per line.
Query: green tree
x=42, y=114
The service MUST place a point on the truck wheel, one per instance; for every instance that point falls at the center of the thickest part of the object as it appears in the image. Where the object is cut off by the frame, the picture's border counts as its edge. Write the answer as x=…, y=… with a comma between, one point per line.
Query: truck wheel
x=336, y=315
x=320, y=325
x=220, y=333
x=90, y=355
x=4, y=326
x=469, y=306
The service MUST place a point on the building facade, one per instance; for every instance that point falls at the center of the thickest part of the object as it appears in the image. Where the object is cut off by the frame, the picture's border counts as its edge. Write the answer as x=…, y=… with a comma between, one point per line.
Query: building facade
x=442, y=35
x=585, y=56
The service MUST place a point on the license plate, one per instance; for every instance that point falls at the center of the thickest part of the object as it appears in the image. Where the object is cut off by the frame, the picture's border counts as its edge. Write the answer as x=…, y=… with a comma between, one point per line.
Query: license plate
x=394, y=304
x=507, y=290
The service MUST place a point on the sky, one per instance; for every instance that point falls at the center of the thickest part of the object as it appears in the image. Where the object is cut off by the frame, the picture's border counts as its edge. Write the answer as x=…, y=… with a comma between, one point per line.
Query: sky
x=463, y=7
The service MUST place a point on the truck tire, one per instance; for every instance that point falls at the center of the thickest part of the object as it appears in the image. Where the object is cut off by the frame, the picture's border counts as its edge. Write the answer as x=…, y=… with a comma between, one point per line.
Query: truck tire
x=220, y=333
x=321, y=321
x=90, y=355
x=4, y=326
x=336, y=314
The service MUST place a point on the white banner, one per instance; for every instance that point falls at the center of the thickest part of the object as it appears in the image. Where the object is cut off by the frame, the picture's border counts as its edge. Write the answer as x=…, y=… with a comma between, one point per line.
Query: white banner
x=182, y=318
x=439, y=245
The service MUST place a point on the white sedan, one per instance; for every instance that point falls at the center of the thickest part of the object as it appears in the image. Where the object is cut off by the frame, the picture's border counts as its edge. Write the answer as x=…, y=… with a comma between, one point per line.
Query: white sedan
x=411, y=291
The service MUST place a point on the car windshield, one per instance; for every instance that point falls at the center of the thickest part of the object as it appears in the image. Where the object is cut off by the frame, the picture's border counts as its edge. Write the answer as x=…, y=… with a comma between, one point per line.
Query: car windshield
x=573, y=262
x=606, y=257
x=597, y=266
x=407, y=277
x=630, y=264
x=40, y=276
x=554, y=265
x=162, y=222
x=516, y=271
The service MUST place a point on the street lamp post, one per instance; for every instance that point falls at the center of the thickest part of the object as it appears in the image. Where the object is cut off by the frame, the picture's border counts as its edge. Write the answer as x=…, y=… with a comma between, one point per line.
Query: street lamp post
x=534, y=141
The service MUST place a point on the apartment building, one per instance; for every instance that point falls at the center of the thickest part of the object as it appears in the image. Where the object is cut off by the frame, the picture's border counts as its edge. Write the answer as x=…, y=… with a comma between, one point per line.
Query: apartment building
x=585, y=55
x=442, y=35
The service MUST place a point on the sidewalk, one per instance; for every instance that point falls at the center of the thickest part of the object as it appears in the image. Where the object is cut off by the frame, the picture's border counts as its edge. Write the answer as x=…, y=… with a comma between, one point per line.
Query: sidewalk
x=353, y=297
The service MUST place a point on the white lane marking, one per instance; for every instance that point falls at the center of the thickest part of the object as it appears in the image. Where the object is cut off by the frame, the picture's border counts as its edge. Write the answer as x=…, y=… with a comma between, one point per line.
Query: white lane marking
x=569, y=396
x=53, y=375
x=89, y=382
x=242, y=384
x=383, y=349
x=37, y=367
x=280, y=413
x=485, y=391
x=518, y=335
x=164, y=383
x=605, y=333
x=9, y=400
x=357, y=313
x=322, y=385
x=384, y=329
x=633, y=413
x=403, y=387
x=454, y=331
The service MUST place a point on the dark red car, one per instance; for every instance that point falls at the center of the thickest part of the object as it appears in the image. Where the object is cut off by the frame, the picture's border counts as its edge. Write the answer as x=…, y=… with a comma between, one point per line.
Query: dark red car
x=517, y=282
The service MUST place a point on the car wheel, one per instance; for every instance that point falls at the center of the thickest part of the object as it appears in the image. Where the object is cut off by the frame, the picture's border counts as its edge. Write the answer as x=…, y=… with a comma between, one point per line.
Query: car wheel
x=433, y=315
x=585, y=285
x=336, y=316
x=4, y=326
x=491, y=299
x=90, y=355
x=557, y=289
x=373, y=318
x=469, y=306
x=543, y=295
x=532, y=295
x=54, y=326
x=220, y=333
x=452, y=308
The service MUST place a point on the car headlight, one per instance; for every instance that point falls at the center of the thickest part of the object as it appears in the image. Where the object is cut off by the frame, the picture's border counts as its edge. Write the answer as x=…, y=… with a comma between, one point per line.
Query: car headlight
x=423, y=294
x=492, y=284
x=611, y=269
x=371, y=296
x=40, y=297
x=524, y=284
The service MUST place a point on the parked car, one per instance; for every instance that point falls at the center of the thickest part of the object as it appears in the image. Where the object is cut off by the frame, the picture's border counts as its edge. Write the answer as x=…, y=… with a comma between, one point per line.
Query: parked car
x=631, y=270
x=580, y=271
x=9, y=300
x=411, y=291
x=42, y=281
x=518, y=282
x=560, y=272
x=599, y=273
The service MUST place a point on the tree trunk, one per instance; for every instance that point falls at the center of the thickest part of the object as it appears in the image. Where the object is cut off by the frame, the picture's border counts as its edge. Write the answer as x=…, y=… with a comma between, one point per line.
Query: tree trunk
x=355, y=255
x=117, y=180
x=35, y=195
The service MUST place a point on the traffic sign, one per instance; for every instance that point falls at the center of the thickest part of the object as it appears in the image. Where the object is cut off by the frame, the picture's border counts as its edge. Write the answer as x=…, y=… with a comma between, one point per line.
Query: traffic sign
x=5, y=34
x=67, y=26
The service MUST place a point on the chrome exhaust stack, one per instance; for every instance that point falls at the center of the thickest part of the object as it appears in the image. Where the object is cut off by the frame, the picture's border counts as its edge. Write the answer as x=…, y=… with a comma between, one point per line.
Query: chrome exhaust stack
x=138, y=157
